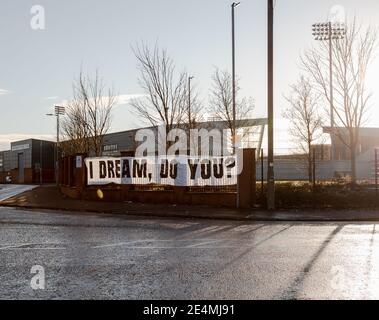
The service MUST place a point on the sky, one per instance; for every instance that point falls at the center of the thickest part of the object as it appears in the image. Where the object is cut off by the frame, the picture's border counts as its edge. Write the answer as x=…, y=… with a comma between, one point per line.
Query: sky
x=37, y=67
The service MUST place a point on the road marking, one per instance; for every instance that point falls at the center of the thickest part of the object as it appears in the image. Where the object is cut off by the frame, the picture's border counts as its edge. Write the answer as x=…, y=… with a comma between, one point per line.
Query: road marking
x=189, y=248
x=15, y=246
x=56, y=248
x=119, y=244
x=23, y=245
x=142, y=244
x=203, y=243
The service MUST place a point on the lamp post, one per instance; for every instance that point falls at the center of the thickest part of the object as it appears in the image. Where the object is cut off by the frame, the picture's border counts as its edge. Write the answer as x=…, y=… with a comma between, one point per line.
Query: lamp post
x=59, y=111
x=270, y=107
x=189, y=102
x=234, y=5
x=328, y=32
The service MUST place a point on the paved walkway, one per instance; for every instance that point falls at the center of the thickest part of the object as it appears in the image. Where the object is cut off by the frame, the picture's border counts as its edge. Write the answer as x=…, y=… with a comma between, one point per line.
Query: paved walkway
x=10, y=190
x=50, y=198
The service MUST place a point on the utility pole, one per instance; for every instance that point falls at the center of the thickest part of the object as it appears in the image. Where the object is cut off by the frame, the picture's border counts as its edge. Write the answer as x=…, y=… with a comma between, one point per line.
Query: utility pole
x=189, y=102
x=40, y=162
x=234, y=5
x=57, y=148
x=270, y=110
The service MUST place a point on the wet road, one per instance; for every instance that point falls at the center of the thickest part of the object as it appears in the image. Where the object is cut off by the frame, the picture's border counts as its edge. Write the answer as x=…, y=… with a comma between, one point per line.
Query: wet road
x=114, y=257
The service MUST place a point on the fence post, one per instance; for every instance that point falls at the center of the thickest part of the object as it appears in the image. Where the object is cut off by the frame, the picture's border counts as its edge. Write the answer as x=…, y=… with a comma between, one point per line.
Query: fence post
x=80, y=172
x=65, y=171
x=376, y=172
x=262, y=175
x=246, y=181
x=126, y=187
x=314, y=169
x=70, y=166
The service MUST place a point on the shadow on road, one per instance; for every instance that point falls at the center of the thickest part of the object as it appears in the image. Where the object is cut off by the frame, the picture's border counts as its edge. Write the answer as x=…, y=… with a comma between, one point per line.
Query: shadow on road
x=293, y=289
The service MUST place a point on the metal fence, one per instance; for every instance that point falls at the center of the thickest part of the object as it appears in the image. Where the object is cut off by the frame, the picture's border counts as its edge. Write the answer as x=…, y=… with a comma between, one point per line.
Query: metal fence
x=291, y=165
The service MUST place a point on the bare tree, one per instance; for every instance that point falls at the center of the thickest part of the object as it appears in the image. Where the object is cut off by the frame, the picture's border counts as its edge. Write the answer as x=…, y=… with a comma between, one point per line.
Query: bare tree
x=75, y=130
x=88, y=115
x=221, y=102
x=306, y=122
x=165, y=89
x=351, y=59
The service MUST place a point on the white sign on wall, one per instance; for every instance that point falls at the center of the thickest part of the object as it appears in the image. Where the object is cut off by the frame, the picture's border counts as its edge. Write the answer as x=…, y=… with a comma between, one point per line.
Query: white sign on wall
x=21, y=147
x=175, y=171
x=79, y=160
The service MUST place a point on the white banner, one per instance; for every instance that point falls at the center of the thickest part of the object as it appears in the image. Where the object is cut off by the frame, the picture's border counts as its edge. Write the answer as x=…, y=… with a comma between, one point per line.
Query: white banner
x=174, y=171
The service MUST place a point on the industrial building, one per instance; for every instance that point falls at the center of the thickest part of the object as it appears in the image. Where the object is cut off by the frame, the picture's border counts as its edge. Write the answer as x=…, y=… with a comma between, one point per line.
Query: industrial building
x=32, y=161
x=28, y=161
x=253, y=131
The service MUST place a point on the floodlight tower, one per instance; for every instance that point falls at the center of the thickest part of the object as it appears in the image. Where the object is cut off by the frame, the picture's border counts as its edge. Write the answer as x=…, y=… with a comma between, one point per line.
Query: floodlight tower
x=328, y=32
x=59, y=111
x=234, y=5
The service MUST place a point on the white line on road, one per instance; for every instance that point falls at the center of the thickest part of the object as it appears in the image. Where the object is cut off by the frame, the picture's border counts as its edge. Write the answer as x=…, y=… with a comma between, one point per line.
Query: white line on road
x=15, y=246
x=119, y=244
x=203, y=243
x=137, y=244
x=23, y=245
x=189, y=248
x=41, y=249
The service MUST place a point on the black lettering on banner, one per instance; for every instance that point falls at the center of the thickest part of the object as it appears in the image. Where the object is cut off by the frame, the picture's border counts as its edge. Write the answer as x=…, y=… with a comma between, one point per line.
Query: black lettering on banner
x=164, y=170
x=125, y=169
x=111, y=169
x=118, y=168
x=218, y=169
x=193, y=168
x=139, y=169
x=231, y=164
x=206, y=170
x=102, y=169
x=90, y=170
x=173, y=170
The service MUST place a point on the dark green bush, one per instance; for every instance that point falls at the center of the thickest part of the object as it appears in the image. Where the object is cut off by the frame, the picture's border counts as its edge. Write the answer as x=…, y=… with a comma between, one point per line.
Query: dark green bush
x=323, y=196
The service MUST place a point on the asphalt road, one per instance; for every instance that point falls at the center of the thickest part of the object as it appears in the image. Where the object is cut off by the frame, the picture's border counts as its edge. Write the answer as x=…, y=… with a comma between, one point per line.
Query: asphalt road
x=116, y=257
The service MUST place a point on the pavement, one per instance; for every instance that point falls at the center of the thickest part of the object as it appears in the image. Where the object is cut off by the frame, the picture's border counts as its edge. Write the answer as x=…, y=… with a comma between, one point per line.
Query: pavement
x=96, y=256
x=50, y=198
x=11, y=190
